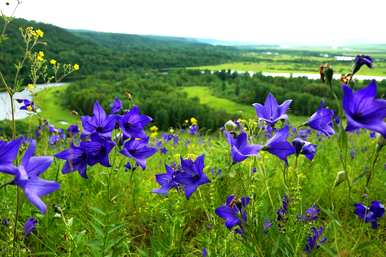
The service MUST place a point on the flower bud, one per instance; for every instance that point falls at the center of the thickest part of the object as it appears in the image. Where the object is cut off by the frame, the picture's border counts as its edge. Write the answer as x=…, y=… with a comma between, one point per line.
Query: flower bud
x=340, y=177
x=230, y=126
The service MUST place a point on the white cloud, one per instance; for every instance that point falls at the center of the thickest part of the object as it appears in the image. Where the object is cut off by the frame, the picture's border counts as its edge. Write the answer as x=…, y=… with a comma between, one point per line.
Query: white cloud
x=330, y=22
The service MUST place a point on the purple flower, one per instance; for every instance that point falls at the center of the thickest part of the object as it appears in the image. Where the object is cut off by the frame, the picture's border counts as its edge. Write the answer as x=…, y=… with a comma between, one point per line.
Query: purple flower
x=282, y=211
x=8, y=153
x=361, y=60
x=30, y=226
x=322, y=121
x=314, y=239
x=267, y=224
x=98, y=150
x=278, y=145
x=204, y=252
x=100, y=123
x=304, y=133
x=5, y=222
x=73, y=130
x=240, y=149
x=192, y=175
x=372, y=135
x=76, y=160
x=271, y=111
x=370, y=214
x=139, y=151
x=163, y=150
x=116, y=106
x=311, y=214
x=133, y=122
x=27, y=177
x=363, y=110
x=193, y=130
x=166, y=180
x=27, y=105
x=233, y=212
x=304, y=147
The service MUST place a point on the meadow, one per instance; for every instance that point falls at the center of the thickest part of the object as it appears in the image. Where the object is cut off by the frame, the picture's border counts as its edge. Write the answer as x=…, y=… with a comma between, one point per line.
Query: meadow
x=142, y=162
x=296, y=61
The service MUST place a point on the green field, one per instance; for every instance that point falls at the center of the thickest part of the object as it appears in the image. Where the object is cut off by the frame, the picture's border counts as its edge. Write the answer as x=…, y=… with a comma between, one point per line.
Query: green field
x=49, y=101
x=283, y=67
x=245, y=111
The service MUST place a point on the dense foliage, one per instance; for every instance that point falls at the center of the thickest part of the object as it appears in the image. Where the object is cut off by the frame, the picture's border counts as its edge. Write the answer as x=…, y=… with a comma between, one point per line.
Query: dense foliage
x=93, y=51
x=157, y=94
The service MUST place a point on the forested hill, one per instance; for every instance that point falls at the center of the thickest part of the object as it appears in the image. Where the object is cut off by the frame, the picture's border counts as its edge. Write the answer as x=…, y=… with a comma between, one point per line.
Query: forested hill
x=96, y=51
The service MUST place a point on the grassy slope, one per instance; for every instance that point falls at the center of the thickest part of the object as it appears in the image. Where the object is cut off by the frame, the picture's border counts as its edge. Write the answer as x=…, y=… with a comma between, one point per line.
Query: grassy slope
x=48, y=101
x=206, y=97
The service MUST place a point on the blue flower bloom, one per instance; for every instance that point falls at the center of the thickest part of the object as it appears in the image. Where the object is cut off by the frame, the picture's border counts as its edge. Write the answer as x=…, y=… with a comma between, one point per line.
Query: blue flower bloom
x=138, y=150
x=132, y=123
x=30, y=226
x=271, y=111
x=27, y=177
x=76, y=160
x=311, y=214
x=361, y=60
x=278, y=145
x=167, y=181
x=322, y=121
x=304, y=147
x=192, y=175
x=314, y=240
x=27, y=105
x=8, y=153
x=100, y=123
x=363, y=110
x=233, y=212
x=240, y=149
x=370, y=214
x=116, y=106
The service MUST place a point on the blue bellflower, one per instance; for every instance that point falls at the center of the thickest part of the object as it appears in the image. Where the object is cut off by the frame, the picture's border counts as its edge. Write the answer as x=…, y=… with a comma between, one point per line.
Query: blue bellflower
x=271, y=111
x=27, y=177
x=100, y=123
x=240, y=149
x=363, y=110
x=278, y=145
x=132, y=123
x=314, y=240
x=233, y=212
x=370, y=214
x=8, y=153
x=361, y=60
x=322, y=121
x=138, y=150
x=304, y=147
x=116, y=106
x=192, y=175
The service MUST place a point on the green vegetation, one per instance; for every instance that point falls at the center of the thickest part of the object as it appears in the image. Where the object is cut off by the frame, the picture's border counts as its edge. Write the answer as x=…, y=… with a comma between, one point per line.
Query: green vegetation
x=245, y=111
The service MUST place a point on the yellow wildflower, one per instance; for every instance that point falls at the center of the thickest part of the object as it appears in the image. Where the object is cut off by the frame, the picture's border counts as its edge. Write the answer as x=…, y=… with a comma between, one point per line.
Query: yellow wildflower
x=186, y=121
x=76, y=66
x=53, y=62
x=194, y=121
x=40, y=56
x=39, y=33
x=29, y=108
x=154, y=134
x=153, y=128
x=171, y=131
x=31, y=87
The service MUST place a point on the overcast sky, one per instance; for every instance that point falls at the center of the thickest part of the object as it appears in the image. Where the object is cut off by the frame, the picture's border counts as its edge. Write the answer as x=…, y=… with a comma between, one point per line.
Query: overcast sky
x=331, y=22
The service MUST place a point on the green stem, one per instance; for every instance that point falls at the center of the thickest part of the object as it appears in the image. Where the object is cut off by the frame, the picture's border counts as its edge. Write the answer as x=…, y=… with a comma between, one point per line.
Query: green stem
x=13, y=117
x=371, y=171
x=16, y=219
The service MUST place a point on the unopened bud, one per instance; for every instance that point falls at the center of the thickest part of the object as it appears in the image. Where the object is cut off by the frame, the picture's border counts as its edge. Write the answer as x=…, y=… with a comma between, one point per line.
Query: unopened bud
x=340, y=177
x=230, y=126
